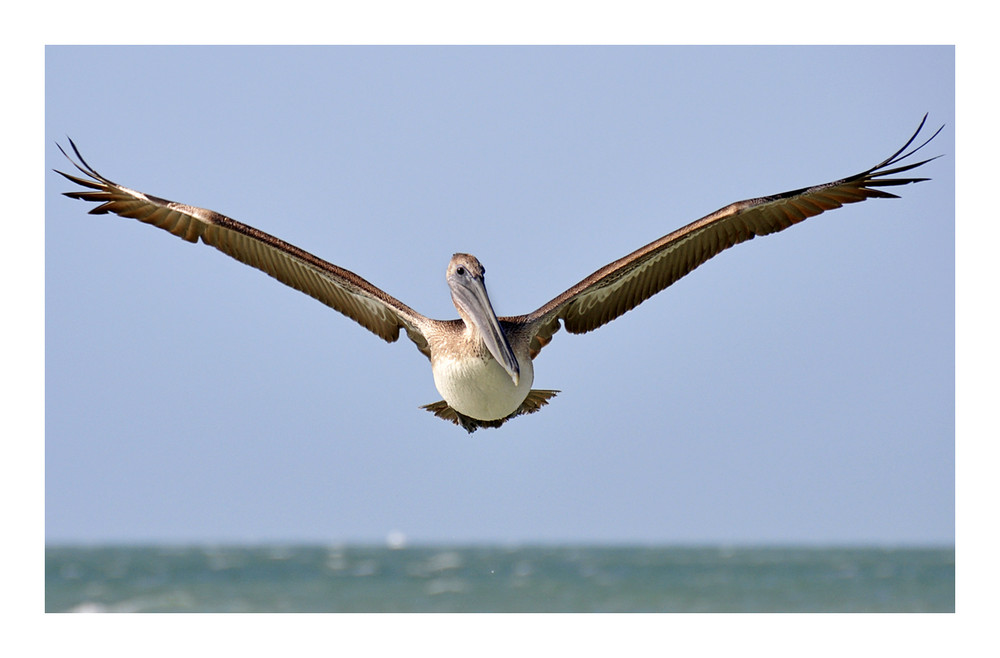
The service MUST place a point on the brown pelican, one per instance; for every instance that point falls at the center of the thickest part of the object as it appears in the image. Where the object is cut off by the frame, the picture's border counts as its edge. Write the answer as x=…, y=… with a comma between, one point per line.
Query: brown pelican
x=482, y=364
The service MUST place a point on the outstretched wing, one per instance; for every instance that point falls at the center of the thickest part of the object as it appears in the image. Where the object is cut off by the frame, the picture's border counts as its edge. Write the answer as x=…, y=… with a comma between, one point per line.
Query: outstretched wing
x=336, y=287
x=624, y=284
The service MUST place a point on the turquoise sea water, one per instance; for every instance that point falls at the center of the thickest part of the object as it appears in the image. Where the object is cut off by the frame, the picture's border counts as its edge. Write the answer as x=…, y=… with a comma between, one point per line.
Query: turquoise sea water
x=497, y=579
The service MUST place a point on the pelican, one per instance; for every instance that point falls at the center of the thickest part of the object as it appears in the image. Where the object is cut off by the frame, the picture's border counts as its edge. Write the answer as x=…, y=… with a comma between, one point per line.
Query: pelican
x=482, y=364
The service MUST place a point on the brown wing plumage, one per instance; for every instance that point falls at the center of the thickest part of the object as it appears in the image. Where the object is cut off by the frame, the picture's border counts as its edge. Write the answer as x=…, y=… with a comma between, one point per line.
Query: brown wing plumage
x=624, y=284
x=336, y=287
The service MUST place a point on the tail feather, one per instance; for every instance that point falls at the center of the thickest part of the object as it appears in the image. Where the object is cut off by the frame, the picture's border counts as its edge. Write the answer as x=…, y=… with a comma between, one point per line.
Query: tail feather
x=536, y=400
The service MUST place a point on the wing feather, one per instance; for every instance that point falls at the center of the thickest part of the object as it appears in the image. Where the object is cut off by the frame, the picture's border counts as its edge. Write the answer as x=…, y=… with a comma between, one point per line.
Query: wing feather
x=622, y=285
x=334, y=286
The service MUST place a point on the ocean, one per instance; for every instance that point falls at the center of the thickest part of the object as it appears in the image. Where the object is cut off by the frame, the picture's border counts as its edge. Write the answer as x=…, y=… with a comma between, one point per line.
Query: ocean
x=497, y=579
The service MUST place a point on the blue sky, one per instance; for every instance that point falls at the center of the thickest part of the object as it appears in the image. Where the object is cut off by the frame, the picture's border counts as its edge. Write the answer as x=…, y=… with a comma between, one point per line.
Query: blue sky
x=798, y=388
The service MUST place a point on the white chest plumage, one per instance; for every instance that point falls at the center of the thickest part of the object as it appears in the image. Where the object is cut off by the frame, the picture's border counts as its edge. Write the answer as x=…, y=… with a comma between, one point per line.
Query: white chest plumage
x=479, y=387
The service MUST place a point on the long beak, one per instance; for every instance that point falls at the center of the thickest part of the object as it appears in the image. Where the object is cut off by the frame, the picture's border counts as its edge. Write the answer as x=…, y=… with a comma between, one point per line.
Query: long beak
x=476, y=303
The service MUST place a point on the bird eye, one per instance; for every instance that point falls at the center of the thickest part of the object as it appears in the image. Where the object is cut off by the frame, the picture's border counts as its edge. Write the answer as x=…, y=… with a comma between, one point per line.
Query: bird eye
x=460, y=271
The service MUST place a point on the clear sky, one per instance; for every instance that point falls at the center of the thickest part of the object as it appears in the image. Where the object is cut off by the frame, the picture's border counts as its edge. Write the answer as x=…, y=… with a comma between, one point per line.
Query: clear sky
x=797, y=388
